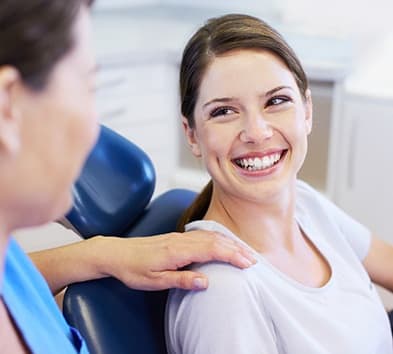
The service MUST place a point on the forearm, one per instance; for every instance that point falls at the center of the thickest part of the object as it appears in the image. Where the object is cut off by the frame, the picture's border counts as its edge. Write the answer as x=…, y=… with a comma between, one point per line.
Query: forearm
x=148, y=263
x=379, y=263
x=72, y=263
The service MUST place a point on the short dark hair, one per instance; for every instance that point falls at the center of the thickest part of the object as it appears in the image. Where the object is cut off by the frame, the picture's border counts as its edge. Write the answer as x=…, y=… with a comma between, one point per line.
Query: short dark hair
x=36, y=34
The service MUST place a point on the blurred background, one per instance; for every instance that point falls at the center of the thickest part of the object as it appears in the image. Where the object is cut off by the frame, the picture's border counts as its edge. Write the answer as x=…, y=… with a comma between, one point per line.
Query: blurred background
x=346, y=48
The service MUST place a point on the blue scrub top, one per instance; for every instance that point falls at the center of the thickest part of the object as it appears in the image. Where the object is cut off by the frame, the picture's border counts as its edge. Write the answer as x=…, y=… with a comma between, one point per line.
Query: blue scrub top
x=33, y=308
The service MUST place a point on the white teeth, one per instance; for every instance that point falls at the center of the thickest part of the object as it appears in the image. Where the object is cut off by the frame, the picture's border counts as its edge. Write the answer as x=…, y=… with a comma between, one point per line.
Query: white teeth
x=256, y=163
x=266, y=162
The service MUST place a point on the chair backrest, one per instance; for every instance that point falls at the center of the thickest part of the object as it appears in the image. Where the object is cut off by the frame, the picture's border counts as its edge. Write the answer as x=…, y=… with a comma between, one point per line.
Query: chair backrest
x=117, y=177
x=115, y=319
x=111, y=317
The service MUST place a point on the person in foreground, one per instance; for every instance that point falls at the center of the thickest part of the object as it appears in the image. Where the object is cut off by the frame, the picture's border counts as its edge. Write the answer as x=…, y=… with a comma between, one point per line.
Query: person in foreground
x=247, y=113
x=47, y=128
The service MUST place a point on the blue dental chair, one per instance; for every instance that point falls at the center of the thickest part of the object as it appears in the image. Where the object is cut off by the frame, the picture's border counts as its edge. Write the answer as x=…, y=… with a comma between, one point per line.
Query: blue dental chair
x=112, y=197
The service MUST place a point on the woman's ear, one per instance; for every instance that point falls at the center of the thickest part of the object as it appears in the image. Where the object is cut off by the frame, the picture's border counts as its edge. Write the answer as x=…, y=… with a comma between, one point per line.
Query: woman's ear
x=308, y=111
x=191, y=138
x=9, y=119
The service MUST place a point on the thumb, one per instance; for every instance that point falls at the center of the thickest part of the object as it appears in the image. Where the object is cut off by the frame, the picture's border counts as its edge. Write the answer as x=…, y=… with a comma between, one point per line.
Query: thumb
x=184, y=279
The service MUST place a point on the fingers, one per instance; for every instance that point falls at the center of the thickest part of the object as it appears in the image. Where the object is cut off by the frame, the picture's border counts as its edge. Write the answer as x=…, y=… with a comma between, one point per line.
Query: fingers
x=241, y=260
x=185, y=279
x=153, y=262
x=210, y=246
x=242, y=256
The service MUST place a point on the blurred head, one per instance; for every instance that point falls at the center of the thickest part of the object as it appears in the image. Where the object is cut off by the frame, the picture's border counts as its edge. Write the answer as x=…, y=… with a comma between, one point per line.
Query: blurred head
x=47, y=119
x=36, y=34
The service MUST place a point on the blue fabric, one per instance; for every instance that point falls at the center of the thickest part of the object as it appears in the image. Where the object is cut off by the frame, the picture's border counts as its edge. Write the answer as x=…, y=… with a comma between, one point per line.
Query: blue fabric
x=33, y=308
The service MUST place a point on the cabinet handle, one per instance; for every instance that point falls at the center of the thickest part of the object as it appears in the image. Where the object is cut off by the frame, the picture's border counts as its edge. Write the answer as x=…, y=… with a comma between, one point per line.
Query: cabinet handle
x=353, y=133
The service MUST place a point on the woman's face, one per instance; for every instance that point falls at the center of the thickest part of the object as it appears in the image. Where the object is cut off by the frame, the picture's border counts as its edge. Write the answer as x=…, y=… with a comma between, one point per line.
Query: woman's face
x=251, y=124
x=58, y=127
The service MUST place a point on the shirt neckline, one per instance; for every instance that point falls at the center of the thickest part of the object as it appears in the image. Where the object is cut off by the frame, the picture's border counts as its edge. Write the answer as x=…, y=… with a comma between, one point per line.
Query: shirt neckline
x=212, y=225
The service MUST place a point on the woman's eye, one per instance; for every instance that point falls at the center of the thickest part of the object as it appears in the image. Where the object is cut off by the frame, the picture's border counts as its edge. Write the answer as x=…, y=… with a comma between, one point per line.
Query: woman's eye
x=222, y=111
x=275, y=101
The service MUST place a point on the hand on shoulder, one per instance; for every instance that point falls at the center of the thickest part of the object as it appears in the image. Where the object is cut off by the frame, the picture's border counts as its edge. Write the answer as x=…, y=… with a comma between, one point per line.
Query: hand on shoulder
x=154, y=263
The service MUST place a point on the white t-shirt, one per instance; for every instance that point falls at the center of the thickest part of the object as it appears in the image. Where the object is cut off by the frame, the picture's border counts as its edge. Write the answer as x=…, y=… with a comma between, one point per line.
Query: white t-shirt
x=261, y=310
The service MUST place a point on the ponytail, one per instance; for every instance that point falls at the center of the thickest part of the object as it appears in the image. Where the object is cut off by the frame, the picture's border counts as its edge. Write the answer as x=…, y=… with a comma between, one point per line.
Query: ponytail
x=198, y=208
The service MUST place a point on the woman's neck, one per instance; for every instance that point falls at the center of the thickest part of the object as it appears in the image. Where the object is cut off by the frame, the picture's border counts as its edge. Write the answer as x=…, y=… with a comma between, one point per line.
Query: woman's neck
x=265, y=225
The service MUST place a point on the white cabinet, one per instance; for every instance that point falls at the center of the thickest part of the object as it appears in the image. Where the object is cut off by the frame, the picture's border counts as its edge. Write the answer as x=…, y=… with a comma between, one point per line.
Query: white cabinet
x=137, y=85
x=365, y=167
x=136, y=98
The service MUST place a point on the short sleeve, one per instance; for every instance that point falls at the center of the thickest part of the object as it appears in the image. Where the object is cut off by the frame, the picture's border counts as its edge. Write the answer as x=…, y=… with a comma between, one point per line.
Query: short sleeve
x=227, y=318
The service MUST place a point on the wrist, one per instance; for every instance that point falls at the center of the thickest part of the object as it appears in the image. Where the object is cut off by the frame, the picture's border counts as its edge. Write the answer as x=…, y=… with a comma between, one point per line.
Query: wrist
x=102, y=258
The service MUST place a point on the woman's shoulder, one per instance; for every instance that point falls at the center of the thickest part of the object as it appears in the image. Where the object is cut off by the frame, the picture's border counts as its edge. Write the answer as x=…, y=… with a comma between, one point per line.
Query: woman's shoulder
x=311, y=200
x=223, y=275
x=229, y=288
x=226, y=283
x=232, y=302
x=304, y=189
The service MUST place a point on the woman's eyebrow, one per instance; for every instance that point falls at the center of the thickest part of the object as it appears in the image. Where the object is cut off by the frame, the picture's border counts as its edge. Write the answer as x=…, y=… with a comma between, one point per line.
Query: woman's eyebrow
x=278, y=88
x=218, y=100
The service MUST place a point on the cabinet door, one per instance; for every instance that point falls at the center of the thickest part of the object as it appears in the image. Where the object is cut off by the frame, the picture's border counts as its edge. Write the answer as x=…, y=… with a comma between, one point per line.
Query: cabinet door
x=365, y=169
x=138, y=100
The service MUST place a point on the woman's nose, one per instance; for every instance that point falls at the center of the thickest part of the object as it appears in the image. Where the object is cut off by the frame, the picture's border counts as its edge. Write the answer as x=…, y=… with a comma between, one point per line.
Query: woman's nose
x=255, y=129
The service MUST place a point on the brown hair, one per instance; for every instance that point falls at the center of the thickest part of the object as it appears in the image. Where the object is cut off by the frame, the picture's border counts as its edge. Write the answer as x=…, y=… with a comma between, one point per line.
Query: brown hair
x=35, y=35
x=219, y=36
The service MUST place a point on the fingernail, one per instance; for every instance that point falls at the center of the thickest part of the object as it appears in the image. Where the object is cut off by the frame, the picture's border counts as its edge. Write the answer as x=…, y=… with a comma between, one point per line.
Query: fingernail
x=200, y=283
x=253, y=260
x=247, y=262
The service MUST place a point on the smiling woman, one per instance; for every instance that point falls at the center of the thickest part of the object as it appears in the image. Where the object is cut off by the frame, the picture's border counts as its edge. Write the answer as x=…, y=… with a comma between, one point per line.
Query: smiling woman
x=244, y=111
x=247, y=113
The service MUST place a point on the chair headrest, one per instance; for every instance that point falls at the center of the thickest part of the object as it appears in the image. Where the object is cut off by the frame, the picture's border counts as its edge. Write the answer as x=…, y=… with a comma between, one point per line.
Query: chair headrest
x=115, y=185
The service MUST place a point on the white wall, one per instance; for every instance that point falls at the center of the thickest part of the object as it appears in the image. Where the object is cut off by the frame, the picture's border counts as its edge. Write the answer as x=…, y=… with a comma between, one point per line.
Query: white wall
x=270, y=8
x=362, y=20
x=45, y=236
x=110, y=4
